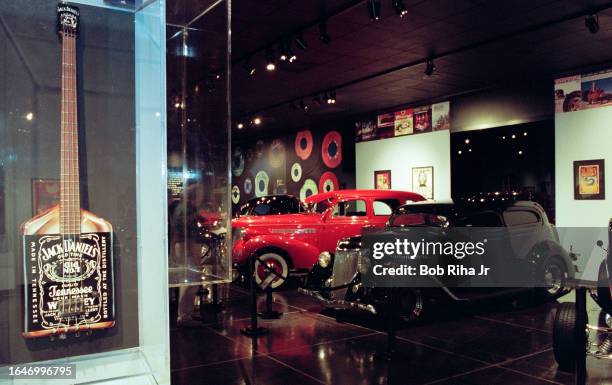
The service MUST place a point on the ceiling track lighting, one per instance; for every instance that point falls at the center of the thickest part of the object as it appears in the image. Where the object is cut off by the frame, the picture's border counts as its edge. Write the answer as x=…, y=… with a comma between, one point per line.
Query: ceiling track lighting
x=399, y=7
x=270, y=63
x=430, y=67
x=323, y=35
x=374, y=9
x=303, y=105
x=300, y=42
x=592, y=23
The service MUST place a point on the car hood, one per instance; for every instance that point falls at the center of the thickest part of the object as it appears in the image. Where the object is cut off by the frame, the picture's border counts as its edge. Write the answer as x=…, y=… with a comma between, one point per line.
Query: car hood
x=280, y=220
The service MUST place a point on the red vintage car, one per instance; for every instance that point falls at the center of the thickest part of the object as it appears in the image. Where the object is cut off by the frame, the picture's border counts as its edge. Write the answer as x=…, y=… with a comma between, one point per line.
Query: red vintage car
x=293, y=242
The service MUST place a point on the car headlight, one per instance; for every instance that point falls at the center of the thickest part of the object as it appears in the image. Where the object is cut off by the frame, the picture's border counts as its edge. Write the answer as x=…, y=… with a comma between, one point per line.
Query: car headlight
x=324, y=259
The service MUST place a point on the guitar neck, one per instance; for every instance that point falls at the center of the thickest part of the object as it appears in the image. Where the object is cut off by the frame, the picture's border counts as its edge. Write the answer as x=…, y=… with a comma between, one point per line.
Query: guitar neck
x=70, y=202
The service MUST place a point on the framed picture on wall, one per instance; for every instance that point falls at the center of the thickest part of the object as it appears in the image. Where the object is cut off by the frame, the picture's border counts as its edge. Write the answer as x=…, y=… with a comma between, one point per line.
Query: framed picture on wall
x=45, y=194
x=382, y=180
x=422, y=181
x=589, y=179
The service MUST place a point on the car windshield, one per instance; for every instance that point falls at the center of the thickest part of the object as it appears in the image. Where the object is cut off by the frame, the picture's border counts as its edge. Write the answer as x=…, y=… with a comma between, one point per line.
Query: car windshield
x=273, y=205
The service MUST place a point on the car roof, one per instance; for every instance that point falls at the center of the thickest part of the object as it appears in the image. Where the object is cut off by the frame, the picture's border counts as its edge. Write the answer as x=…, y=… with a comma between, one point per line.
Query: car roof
x=381, y=194
x=478, y=205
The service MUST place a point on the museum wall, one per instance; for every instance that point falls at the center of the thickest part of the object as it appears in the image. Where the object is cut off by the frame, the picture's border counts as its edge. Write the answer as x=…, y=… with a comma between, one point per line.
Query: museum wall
x=299, y=163
x=582, y=135
x=400, y=154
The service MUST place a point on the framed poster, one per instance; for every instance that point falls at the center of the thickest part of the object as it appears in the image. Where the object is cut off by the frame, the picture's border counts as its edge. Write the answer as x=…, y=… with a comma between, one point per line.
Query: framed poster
x=589, y=179
x=45, y=194
x=423, y=182
x=403, y=122
x=382, y=180
x=422, y=119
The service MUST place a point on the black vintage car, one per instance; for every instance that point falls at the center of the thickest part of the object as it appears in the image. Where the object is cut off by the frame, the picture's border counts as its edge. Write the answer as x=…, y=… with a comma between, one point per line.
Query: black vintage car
x=335, y=279
x=273, y=205
x=569, y=347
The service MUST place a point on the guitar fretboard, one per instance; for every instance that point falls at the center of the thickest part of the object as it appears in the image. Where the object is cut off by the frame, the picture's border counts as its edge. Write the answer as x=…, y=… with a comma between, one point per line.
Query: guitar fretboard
x=70, y=202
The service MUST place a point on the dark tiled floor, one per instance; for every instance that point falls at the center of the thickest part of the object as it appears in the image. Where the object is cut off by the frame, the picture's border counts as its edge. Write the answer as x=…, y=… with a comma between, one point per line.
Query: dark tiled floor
x=508, y=342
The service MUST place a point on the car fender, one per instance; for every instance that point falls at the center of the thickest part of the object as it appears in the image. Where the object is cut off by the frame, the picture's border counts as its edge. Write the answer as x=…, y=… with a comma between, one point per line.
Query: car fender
x=550, y=249
x=302, y=254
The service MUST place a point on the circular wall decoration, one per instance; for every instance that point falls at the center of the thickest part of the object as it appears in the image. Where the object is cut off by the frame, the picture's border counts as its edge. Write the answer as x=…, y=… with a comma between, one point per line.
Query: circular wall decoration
x=259, y=148
x=235, y=194
x=309, y=188
x=237, y=162
x=248, y=186
x=328, y=182
x=261, y=184
x=331, y=150
x=303, y=144
x=296, y=172
x=277, y=153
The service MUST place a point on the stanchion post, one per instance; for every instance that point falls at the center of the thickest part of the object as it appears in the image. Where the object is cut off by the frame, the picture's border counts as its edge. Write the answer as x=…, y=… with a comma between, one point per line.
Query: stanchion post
x=253, y=330
x=390, y=353
x=269, y=313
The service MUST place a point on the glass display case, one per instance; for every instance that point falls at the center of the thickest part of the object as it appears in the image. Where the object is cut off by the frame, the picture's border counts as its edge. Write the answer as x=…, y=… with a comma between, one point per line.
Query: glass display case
x=83, y=190
x=198, y=92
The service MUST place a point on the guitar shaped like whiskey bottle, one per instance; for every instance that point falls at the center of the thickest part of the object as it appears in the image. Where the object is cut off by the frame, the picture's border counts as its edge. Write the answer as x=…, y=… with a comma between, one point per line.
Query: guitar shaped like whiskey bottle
x=68, y=261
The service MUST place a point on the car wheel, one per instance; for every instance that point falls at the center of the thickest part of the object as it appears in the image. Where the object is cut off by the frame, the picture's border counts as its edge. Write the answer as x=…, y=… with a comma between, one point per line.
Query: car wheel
x=564, y=338
x=273, y=261
x=554, y=276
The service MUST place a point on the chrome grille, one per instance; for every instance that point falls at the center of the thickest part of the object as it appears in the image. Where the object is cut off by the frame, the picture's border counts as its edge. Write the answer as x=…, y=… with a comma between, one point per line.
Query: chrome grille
x=344, y=270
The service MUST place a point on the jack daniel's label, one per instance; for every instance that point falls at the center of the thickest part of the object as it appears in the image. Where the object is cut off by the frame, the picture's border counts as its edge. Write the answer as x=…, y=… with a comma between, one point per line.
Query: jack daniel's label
x=69, y=281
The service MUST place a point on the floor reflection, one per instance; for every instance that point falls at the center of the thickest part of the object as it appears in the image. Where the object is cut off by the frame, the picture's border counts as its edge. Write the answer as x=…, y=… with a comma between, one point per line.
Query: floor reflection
x=505, y=342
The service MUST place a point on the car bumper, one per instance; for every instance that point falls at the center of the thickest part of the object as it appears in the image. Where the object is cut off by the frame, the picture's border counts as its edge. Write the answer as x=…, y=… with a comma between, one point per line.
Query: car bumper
x=336, y=303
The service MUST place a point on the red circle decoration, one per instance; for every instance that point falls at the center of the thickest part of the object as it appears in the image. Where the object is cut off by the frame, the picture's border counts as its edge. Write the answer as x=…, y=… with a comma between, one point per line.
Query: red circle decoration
x=328, y=182
x=303, y=144
x=331, y=150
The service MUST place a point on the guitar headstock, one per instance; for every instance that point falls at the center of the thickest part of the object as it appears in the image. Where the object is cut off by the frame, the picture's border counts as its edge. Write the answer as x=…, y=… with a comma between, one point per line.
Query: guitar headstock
x=67, y=19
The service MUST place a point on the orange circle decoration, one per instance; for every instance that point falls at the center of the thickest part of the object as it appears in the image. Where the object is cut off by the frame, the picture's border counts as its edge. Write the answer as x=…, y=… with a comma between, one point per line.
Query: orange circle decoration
x=328, y=182
x=303, y=144
x=331, y=150
x=277, y=153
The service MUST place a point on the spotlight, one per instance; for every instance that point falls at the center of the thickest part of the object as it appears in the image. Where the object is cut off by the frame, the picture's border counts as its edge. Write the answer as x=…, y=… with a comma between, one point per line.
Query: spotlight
x=240, y=126
x=399, y=7
x=300, y=42
x=257, y=121
x=270, y=65
x=467, y=141
x=592, y=23
x=29, y=116
x=323, y=35
x=284, y=54
x=303, y=106
x=430, y=68
x=292, y=55
x=374, y=9
x=525, y=133
x=332, y=97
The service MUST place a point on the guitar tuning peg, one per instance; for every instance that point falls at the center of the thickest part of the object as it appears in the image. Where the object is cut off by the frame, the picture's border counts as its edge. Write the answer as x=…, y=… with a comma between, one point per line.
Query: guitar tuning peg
x=62, y=336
